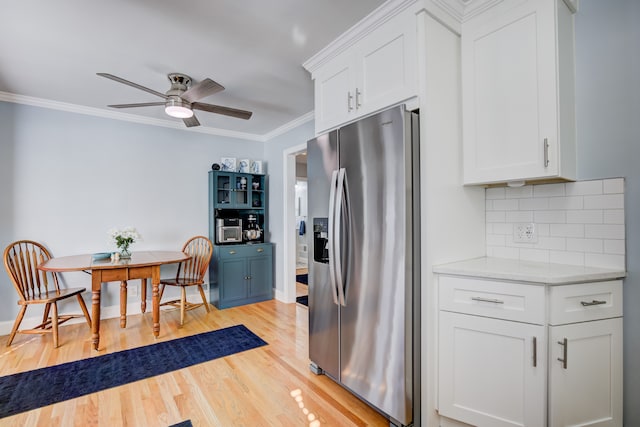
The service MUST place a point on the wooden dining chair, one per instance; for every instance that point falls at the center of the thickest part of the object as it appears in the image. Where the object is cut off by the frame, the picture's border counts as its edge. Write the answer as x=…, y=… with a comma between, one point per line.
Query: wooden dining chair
x=21, y=260
x=190, y=273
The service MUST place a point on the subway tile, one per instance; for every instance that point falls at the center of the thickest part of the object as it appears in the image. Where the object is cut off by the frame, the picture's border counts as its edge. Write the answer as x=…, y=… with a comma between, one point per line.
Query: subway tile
x=613, y=185
x=551, y=243
x=585, y=245
x=584, y=217
x=604, y=260
x=496, y=239
x=566, y=257
x=550, y=217
x=605, y=201
x=503, y=252
x=548, y=190
x=519, y=192
x=505, y=228
x=614, y=216
x=519, y=216
x=538, y=255
x=543, y=229
x=567, y=230
x=494, y=193
x=488, y=205
x=505, y=205
x=495, y=216
x=571, y=202
x=614, y=247
x=604, y=231
x=534, y=204
x=583, y=188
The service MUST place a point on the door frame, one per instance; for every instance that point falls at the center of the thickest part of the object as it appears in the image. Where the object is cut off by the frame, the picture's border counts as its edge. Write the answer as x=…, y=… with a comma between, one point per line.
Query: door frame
x=289, y=202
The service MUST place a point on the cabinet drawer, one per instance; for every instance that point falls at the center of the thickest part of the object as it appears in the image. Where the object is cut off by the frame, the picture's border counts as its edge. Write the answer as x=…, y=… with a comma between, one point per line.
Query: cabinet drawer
x=237, y=251
x=500, y=300
x=585, y=301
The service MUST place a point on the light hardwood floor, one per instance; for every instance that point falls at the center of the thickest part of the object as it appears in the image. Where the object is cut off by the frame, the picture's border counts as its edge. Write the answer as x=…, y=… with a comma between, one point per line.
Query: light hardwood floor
x=267, y=386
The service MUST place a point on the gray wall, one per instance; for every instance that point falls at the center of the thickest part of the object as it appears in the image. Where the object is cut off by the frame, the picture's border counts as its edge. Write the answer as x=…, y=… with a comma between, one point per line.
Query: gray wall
x=608, y=125
x=67, y=178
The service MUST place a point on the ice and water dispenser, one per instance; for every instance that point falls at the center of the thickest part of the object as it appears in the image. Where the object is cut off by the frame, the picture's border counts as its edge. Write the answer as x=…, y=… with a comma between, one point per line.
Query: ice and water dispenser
x=320, y=240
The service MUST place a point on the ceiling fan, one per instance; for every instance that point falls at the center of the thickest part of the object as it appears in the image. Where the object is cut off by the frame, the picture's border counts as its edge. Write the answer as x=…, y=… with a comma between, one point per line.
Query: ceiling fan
x=180, y=99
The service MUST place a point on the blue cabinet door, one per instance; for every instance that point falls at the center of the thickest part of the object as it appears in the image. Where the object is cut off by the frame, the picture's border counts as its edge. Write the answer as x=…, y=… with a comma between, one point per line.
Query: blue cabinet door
x=260, y=276
x=233, y=281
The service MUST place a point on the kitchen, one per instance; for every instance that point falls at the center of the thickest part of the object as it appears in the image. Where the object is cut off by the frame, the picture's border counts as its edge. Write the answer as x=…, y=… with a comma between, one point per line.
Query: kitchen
x=34, y=136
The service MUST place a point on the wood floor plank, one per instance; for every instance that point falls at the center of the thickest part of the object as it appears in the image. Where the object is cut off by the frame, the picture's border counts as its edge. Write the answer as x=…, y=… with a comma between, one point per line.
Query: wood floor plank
x=266, y=386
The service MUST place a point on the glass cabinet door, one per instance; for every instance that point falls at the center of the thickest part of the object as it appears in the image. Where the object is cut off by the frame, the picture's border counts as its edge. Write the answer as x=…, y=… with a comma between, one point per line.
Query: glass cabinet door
x=224, y=190
x=242, y=190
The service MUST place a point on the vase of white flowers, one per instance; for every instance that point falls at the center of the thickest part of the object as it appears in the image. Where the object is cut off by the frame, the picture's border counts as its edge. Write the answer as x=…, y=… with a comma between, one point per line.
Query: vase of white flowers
x=123, y=239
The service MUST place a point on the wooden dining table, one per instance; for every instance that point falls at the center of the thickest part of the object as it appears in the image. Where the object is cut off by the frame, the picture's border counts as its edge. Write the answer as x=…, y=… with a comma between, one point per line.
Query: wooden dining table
x=142, y=265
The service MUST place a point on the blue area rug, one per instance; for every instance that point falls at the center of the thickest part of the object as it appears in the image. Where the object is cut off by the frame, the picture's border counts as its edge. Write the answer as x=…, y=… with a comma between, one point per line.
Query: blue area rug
x=186, y=423
x=302, y=278
x=41, y=387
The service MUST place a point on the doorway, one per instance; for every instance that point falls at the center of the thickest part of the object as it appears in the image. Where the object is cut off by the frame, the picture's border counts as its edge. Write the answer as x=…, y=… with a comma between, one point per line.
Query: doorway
x=301, y=252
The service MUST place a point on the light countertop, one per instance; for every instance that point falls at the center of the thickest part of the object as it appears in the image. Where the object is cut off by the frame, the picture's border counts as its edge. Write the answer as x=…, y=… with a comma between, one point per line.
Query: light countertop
x=527, y=271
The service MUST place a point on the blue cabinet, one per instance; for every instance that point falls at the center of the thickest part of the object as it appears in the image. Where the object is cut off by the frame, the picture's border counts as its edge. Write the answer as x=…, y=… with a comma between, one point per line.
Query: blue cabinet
x=241, y=274
x=230, y=190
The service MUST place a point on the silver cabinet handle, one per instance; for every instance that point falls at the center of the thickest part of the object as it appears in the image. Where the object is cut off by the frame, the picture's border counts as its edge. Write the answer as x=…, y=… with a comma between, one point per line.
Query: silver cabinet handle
x=358, y=95
x=594, y=302
x=491, y=300
x=546, y=152
x=535, y=352
x=232, y=252
x=260, y=250
x=564, y=353
x=349, y=98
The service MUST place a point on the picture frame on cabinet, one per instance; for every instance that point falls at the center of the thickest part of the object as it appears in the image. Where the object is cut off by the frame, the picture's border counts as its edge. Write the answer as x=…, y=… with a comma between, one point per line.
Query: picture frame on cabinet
x=256, y=166
x=228, y=164
x=243, y=166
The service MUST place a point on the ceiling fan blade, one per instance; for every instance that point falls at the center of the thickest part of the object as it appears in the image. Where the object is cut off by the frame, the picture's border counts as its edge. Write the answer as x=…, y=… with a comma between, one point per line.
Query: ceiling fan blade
x=141, y=104
x=201, y=90
x=191, y=121
x=227, y=111
x=127, y=82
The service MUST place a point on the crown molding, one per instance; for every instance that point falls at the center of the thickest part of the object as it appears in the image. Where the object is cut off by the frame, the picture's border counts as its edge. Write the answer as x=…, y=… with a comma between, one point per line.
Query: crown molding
x=289, y=126
x=115, y=115
x=347, y=39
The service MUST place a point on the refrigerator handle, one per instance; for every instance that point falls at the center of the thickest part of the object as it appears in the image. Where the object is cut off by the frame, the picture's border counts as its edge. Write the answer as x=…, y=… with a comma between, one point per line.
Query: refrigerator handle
x=342, y=199
x=330, y=237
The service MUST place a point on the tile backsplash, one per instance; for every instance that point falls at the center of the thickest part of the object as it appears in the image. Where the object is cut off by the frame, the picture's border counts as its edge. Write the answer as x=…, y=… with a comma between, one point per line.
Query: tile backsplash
x=577, y=223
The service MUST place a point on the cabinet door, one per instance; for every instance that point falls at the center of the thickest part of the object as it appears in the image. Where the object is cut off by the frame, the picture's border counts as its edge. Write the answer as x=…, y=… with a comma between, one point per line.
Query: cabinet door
x=241, y=191
x=334, y=92
x=260, y=274
x=232, y=279
x=223, y=186
x=386, y=65
x=510, y=93
x=491, y=372
x=586, y=387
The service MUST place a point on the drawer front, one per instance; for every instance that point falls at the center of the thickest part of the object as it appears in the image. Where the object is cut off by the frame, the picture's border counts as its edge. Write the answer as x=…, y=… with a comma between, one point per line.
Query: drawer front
x=237, y=251
x=585, y=301
x=500, y=300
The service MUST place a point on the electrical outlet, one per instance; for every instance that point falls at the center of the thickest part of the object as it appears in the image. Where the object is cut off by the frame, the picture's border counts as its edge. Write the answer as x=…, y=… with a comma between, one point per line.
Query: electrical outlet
x=525, y=233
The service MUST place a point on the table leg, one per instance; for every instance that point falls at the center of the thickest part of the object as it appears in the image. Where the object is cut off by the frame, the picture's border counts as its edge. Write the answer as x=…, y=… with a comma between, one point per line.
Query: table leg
x=155, y=285
x=96, y=284
x=123, y=303
x=143, y=295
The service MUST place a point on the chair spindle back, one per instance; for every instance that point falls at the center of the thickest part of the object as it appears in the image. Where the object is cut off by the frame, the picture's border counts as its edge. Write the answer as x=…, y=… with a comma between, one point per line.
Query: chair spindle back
x=200, y=249
x=21, y=260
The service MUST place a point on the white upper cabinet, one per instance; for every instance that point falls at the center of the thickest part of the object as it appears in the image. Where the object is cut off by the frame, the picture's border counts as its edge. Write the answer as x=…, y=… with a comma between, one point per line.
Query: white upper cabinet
x=518, y=93
x=374, y=72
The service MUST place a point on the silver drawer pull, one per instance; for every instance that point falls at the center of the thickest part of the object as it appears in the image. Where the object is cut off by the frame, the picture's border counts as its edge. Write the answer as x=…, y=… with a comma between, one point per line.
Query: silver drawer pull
x=594, y=302
x=232, y=252
x=260, y=250
x=491, y=300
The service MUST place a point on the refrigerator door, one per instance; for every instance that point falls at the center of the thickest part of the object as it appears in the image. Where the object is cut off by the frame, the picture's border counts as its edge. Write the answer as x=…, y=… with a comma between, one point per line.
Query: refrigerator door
x=322, y=162
x=376, y=330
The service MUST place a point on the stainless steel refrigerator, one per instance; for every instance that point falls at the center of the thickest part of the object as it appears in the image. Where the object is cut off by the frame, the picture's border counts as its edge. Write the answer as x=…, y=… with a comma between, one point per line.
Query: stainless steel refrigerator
x=363, y=202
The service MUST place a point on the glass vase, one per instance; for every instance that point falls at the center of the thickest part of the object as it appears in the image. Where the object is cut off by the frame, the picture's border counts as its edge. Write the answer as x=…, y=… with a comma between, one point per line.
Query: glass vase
x=125, y=252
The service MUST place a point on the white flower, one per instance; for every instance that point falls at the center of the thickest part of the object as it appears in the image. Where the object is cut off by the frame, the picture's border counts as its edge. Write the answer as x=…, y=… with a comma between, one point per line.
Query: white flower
x=125, y=237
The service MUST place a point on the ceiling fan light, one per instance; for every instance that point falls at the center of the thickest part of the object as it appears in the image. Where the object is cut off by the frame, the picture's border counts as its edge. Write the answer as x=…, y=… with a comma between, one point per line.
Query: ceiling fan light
x=178, y=111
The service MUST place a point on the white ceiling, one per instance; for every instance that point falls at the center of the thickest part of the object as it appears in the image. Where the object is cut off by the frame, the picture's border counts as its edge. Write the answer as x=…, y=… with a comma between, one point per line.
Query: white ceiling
x=52, y=50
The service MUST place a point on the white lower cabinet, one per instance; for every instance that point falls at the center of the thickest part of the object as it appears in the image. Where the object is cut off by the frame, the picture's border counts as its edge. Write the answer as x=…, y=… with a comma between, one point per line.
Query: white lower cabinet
x=585, y=374
x=492, y=372
x=515, y=354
